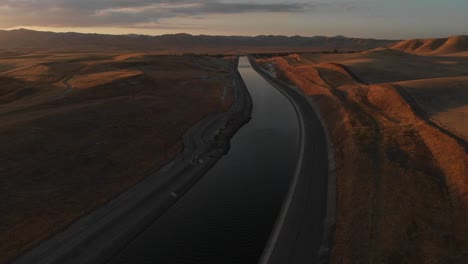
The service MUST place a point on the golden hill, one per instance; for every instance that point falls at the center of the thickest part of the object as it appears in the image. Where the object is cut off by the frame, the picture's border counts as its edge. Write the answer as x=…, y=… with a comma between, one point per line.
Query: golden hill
x=439, y=46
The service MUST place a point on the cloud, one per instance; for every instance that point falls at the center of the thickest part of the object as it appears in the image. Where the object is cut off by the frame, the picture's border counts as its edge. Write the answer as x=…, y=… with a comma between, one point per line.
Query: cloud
x=90, y=13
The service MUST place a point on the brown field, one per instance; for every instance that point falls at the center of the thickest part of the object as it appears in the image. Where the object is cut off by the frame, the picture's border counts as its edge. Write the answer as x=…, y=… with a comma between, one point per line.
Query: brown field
x=402, y=184
x=77, y=129
x=452, y=46
x=444, y=99
x=438, y=84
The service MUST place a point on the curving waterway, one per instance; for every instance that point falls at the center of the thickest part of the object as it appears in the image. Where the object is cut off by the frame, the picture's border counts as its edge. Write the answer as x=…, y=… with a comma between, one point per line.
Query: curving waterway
x=227, y=217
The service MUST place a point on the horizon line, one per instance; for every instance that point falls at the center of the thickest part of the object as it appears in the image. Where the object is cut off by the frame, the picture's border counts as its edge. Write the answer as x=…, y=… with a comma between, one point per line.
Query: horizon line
x=218, y=35
x=184, y=33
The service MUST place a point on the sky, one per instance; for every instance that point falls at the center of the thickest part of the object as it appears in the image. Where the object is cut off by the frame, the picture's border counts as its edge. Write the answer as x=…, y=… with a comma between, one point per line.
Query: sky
x=390, y=19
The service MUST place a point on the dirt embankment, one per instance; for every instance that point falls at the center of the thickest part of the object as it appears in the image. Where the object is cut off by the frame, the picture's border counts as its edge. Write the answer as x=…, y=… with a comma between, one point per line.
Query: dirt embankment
x=67, y=150
x=402, y=185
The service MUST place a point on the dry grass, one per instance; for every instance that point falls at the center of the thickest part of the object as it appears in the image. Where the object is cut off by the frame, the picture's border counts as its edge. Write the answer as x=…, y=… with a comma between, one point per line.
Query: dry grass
x=86, y=81
x=401, y=198
x=444, y=99
x=65, y=152
x=438, y=84
x=452, y=46
x=385, y=66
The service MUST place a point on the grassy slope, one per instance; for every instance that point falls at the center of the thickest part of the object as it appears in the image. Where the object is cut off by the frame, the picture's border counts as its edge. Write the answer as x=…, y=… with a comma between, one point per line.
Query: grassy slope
x=401, y=198
x=438, y=84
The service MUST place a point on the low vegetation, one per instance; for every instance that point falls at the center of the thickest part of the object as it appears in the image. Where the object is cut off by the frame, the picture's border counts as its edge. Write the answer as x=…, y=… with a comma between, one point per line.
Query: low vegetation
x=402, y=187
x=78, y=129
x=437, y=84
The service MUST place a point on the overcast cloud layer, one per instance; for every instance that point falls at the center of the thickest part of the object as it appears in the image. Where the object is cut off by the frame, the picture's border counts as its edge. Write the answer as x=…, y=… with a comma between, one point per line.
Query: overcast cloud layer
x=85, y=13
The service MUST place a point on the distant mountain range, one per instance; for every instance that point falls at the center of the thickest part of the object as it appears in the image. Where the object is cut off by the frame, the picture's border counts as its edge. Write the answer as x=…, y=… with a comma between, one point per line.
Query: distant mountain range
x=28, y=40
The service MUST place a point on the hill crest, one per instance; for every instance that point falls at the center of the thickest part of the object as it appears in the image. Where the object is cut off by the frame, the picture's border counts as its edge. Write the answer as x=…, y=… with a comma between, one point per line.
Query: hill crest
x=436, y=46
x=29, y=40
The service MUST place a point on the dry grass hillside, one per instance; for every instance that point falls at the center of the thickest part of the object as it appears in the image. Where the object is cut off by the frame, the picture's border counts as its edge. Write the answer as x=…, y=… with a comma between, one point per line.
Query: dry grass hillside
x=444, y=100
x=457, y=45
x=437, y=84
x=77, y=129
x=400, y=197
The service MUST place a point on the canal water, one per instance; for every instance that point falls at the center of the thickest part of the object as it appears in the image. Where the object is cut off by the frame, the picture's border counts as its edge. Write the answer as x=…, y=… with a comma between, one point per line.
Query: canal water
x=227, y=217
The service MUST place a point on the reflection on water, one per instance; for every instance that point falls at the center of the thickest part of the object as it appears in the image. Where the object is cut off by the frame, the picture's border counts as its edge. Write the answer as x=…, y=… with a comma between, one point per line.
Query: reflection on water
x=228, y=215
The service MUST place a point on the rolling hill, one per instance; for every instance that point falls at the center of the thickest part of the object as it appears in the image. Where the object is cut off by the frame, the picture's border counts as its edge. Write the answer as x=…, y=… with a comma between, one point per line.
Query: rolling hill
x=439, y=46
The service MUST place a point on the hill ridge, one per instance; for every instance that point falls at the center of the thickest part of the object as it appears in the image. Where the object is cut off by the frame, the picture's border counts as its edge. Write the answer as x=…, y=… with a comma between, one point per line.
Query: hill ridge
x=435, y=46
x=30, y=40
